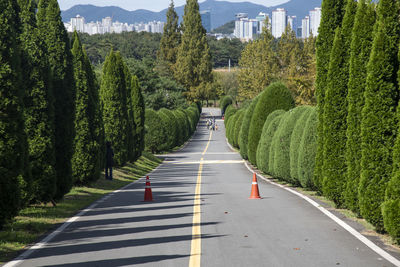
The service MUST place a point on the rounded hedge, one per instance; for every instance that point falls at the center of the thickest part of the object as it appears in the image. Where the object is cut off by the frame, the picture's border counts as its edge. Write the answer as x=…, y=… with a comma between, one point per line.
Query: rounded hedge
x=172, y=127
x=169, y=132
x=297, y=134
x=271, y=157
x=276, y=96
x=230, y=127
x=155, y=135
x=266, y=138
x=308, y=151
x=185, y=125
x=230, y=110
x=244, y=129
x=236, y=127
x=225, y=102
x=282, y=140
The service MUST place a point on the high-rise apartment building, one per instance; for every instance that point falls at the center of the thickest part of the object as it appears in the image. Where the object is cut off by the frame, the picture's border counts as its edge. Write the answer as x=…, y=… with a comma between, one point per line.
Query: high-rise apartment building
x=291, y=20
x=78, y=24
x=278, y=22
x=315, y=20
x=305, y=27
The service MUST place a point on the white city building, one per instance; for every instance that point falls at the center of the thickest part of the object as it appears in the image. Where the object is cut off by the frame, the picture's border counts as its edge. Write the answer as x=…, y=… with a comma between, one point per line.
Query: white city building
x=78, y=24
x=291, y=21
x=315, y=20
x=278, y=22
x=305, y=27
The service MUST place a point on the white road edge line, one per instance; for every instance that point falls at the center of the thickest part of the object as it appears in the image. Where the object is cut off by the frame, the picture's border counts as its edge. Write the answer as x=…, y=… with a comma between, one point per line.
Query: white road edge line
x=18, y=260
x=347, y=227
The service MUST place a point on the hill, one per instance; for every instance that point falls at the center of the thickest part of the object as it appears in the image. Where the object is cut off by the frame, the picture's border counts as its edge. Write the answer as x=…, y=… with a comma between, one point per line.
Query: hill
x=221, y=11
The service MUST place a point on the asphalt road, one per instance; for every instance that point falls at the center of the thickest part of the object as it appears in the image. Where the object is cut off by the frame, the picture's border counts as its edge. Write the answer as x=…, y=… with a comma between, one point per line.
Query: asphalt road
x=216, y=224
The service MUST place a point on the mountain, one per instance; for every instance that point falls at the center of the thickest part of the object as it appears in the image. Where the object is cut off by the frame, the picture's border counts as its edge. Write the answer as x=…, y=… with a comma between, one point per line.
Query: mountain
x=221, y=11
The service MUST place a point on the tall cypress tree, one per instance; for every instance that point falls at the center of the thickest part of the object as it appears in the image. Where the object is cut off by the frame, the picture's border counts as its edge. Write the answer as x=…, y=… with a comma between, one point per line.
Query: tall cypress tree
x=85, y=161
x=138, y=108
x=131, y=122
x=60, y=61
x=360, y=51
x=378, y=125
x=39, y=108
x=331, y=18
x=113, y=101
x=335, y=110
x=171, y=38
x=13, y=145
x=193, y=67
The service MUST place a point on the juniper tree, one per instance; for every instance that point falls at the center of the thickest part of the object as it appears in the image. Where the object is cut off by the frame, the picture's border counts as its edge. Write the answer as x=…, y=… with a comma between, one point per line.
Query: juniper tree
x=335, y=110
x=171, y=38
x=113, y=101
x=193, y=61
x=138, y=108
x=131, y=122
x=379, y=122
x=87, y=147
x=331, y=18
x=13, y=144
x=60, y=61
x=360, y=51
x=39, y=109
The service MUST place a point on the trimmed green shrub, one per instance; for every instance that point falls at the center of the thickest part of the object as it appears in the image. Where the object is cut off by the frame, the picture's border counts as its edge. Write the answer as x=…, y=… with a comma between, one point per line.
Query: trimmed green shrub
x=170, y=131
x=379, y=121
x=308, y=151
x=230, y=127
x=230, y=110
x=173, y=125
x=138, y=108
x=295, y=140
x=281, y=142
x=225, y=102
x=360, y=52
x=244, y=130
x=156, y=135
x=271, y=156
x=391, y=206
x=276, y=96
x=266, y=138
x=238, y=126
x=239, y=115
x=182, y=131
x=186, y=123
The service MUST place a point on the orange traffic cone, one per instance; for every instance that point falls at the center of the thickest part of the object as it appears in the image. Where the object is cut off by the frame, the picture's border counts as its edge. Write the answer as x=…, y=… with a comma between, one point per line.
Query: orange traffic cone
x=148, y=196
x=255, y=194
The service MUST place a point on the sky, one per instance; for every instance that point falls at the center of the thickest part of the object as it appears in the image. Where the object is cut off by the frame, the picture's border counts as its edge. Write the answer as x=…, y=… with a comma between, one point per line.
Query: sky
x=153, y=5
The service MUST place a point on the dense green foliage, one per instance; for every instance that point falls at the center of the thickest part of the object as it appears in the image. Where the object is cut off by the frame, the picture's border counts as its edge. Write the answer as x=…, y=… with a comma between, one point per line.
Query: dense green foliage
x=225, y=102
x=113, y=101
x=171, y=38
x=307, y=151
x=138, y=109
x=295, y=141
x=193, y=62
x=276, y=96
x=379, y=121
x=224, y=49
x=281, y=143
x=172, y=127
x=360, y=52
x=229, y=112
x=244, y=130
x=88, y=142
x=227, y=28
x=156, y=135
x=238, y=126
x=268, y=131
x=331, y=17
x=13, y=144
x=60, y=59
x=38, y=110
x=335, y=110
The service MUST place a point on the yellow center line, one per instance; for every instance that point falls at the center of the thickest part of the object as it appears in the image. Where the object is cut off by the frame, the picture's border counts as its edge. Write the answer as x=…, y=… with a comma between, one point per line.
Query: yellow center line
x=195, y=251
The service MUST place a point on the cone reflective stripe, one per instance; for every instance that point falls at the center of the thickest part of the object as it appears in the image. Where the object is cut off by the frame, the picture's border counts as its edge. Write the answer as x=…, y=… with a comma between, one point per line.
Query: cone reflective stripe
x=148, y=196
x=255, y=194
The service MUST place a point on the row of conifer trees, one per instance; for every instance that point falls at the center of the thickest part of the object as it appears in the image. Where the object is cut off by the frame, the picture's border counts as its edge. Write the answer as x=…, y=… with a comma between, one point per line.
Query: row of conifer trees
x=55, y=116
x=357, y=89
x=357, y=134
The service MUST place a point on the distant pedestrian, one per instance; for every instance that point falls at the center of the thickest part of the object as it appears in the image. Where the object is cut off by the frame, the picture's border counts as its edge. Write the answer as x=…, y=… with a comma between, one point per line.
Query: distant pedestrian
x=109, y=160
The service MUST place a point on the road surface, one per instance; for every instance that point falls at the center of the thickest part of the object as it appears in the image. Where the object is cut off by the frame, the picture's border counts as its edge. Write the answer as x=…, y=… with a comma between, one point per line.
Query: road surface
x=201, y=215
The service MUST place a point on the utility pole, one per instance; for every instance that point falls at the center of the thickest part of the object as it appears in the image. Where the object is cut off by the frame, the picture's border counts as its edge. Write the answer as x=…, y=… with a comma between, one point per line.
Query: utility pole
x=229, y=65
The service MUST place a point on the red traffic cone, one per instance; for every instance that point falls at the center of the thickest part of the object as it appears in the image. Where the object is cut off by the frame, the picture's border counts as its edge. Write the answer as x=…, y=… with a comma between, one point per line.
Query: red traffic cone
x=255, y=194
x=148, y=196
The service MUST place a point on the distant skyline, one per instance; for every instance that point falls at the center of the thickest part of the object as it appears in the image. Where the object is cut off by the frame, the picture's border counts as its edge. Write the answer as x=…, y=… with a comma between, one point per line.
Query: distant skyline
x=153, y=5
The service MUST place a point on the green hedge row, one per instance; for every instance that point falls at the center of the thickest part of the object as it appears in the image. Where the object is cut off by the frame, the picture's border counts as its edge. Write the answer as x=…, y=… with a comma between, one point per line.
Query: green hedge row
x=225, y=102
x=167, y=129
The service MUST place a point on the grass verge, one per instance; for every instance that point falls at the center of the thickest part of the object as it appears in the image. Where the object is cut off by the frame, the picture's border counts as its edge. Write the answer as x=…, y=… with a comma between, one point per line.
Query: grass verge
x=37, y=220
